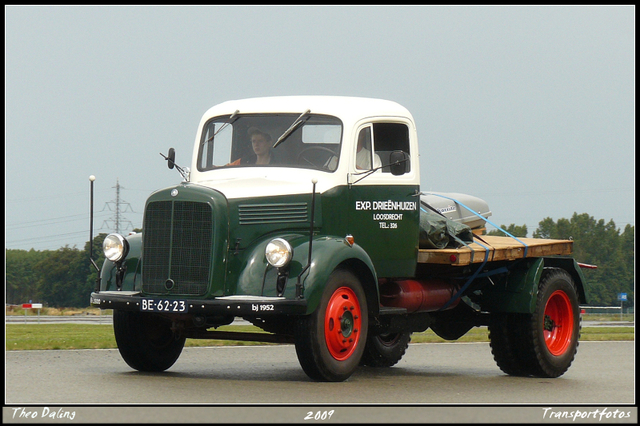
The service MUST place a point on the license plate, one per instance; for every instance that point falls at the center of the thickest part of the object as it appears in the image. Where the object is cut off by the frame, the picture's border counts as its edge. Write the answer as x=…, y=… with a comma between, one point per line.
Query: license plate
x=164, y=305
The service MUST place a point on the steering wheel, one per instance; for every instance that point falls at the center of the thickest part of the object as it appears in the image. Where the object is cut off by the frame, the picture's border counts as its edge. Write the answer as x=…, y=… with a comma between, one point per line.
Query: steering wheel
x=303, y=156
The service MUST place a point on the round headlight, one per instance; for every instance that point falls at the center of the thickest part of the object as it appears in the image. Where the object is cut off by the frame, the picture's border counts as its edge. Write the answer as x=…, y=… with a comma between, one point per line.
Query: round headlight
x=115, y=247
x=278, y=253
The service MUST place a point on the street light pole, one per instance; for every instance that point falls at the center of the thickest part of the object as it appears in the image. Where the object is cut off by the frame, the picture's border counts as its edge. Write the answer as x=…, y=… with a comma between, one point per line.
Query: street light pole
x=97, y=288
x=91, y=178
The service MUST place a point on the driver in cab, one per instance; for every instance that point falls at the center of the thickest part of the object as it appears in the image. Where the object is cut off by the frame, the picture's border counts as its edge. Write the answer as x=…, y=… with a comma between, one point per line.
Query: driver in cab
x=262, y=153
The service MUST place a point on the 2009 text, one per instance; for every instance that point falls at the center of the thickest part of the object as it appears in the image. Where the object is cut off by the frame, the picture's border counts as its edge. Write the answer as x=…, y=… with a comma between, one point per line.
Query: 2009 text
x=319, y=415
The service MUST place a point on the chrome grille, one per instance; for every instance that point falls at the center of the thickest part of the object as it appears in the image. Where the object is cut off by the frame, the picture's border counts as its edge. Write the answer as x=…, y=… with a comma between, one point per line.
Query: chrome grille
x=177, y=243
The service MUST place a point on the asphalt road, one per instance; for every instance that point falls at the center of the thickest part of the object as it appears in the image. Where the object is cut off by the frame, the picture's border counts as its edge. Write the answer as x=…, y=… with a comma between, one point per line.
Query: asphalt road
x=443, y=382
x=259, y=384
x=440, y=373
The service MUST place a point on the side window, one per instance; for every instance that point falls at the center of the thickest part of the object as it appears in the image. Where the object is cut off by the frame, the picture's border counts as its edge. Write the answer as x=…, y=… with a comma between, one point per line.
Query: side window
x=389, y=137
x=364, y=151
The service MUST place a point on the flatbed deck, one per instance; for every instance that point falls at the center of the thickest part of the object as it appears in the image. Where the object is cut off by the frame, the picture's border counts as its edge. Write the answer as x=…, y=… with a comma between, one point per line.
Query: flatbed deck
x=499, y=248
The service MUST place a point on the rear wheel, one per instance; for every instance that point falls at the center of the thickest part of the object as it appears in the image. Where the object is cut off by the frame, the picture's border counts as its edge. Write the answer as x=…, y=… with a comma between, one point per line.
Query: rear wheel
x=146, y=341
x=555, y=325
x=331, y=340
x=385, y=350
x=506, y=332
x=544, y=343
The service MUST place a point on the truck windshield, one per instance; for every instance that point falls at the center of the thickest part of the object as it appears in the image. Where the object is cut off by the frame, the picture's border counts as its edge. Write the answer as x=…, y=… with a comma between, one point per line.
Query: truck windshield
x=247, y=141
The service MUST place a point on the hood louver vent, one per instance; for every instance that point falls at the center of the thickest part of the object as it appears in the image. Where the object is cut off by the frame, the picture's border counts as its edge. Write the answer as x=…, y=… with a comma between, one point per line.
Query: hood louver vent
x=255, y=214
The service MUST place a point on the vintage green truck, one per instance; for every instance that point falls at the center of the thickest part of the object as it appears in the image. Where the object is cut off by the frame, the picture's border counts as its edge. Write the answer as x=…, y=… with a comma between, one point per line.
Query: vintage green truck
x=304, y=216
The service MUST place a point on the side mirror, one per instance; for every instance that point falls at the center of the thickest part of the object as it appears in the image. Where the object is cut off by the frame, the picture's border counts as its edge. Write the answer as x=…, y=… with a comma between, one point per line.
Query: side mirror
x=171, y=158
x=398, y=163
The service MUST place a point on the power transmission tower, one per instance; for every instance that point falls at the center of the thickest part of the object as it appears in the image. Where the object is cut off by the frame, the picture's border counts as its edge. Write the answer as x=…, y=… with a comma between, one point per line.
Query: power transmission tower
x=117, y=220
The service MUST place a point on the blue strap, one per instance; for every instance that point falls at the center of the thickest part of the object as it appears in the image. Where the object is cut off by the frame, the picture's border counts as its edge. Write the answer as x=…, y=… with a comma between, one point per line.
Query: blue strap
x=476, y=274
x=470, y=280
x=526, y=248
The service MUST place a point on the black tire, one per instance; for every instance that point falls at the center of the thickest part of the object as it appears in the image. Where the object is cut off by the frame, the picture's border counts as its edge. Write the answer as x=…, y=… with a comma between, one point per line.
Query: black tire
x=452, y=324
x=330, y=341
x=385, y=350
x=542, y=344
x=505, y=336
x=146, y=341
x=555, y=324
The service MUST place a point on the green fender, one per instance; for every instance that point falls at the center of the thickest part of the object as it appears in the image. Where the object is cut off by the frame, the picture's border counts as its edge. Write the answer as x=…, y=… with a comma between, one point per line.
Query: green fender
x=249, y=273
x=132, y=278
x=517, y=291
x=331, y=253
x=571, y=266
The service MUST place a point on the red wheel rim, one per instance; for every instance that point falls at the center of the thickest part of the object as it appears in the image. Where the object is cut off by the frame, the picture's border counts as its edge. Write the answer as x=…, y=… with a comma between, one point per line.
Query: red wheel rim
x=342, y=323
x=558, y=323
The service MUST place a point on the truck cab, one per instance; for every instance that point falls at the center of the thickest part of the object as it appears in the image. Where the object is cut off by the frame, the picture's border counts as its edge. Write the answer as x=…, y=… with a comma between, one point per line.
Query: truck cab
x=345, y=145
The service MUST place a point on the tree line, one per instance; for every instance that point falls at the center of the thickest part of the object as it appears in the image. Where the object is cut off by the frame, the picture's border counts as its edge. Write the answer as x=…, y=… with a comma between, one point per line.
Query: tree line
x=62, y=278
x=595, y=243
x=66, y=278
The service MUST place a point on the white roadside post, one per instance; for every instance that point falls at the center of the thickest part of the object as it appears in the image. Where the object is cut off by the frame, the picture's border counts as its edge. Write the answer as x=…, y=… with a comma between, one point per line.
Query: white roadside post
x=26, y=306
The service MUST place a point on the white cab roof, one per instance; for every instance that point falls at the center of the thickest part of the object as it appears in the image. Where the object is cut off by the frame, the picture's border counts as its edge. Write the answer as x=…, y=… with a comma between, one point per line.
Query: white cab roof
x=348, y=109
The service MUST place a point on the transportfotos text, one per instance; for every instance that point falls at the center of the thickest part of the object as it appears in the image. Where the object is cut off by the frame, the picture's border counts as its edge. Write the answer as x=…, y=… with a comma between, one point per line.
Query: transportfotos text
x=597, y=414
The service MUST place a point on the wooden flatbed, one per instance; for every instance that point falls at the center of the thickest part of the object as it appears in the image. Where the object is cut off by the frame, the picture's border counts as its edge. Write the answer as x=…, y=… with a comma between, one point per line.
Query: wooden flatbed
x=499, y=248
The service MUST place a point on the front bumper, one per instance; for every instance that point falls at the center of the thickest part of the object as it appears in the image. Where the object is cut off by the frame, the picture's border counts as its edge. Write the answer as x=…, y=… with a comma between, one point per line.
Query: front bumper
x=239, y=306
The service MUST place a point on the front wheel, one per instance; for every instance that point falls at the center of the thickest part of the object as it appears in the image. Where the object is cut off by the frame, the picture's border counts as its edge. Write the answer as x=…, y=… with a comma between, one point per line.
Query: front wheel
x=146, y=341
x=330, y=341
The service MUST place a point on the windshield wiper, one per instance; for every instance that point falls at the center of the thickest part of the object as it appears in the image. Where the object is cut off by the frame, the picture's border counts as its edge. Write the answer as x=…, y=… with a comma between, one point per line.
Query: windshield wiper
x=233, y=117
x=291, y=128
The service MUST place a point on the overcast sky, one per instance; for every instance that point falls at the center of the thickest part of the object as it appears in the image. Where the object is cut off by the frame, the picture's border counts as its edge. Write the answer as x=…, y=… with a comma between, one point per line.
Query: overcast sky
x=531, y=108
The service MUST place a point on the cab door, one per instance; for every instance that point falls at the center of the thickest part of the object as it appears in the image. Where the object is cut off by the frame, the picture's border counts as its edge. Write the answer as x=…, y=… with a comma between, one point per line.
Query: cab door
x=384, y=217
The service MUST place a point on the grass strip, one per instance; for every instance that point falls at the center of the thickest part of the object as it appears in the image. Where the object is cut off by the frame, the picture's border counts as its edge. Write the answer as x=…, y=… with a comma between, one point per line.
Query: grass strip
x=100, y=336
